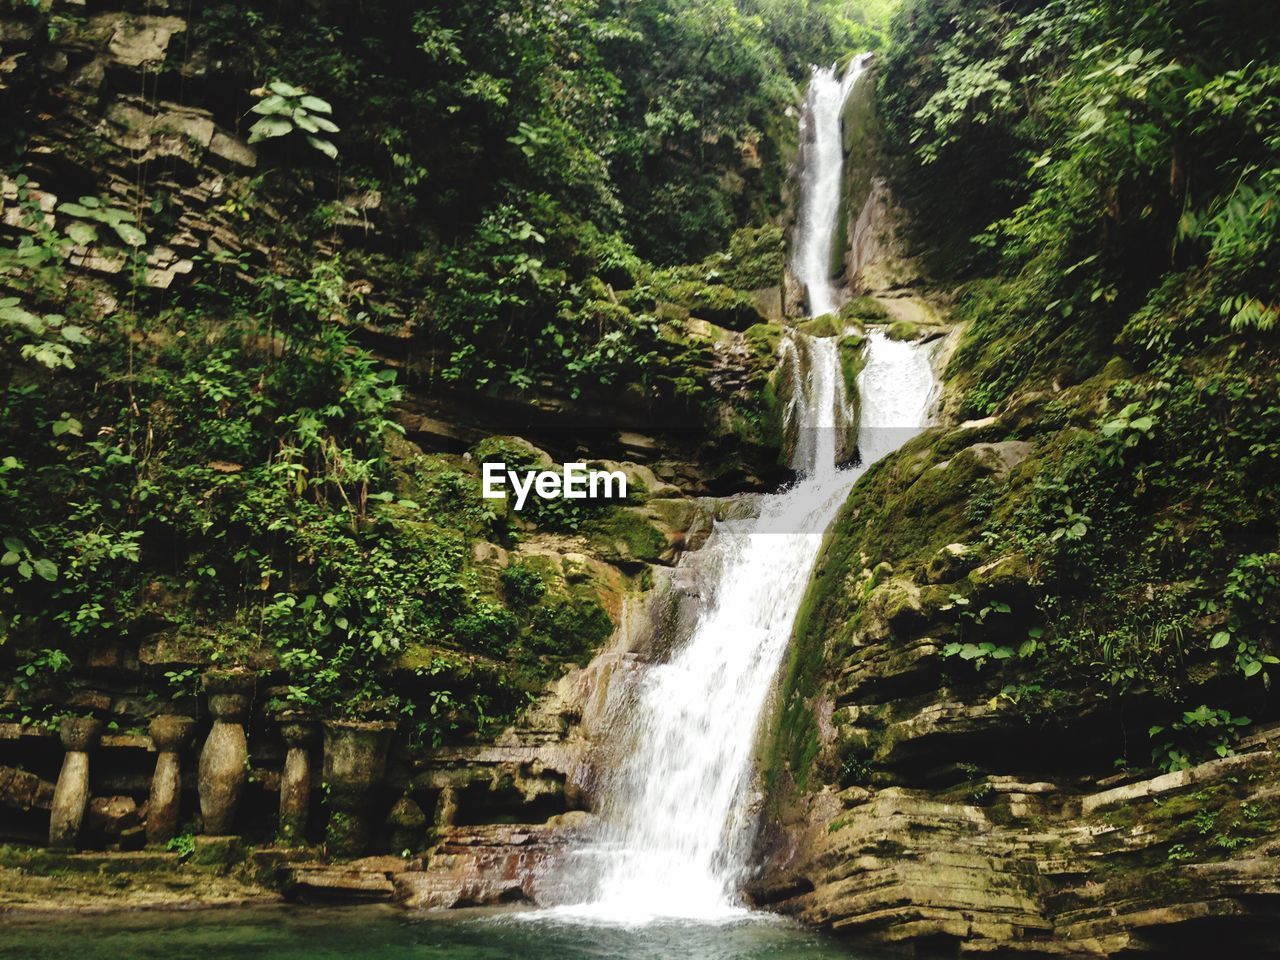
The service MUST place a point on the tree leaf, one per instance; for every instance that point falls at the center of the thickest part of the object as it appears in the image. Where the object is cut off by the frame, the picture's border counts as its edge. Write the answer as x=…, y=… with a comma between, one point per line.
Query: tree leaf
x=304, y=122
x=1220, y=640
x=269, y=127
x=130, y=234
x=271, y=105
x=82, y=233
x=324, y=146
x=315, y=104
x=284, y=89
x=46, y=569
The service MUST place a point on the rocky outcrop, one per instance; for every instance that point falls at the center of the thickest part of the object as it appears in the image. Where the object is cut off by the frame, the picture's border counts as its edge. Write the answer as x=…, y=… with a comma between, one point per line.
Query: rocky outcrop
x=1044, y=867
x=917, y=798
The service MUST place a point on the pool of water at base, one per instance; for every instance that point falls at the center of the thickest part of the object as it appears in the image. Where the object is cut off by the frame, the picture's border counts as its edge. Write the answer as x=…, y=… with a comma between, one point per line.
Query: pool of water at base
x=381, y=933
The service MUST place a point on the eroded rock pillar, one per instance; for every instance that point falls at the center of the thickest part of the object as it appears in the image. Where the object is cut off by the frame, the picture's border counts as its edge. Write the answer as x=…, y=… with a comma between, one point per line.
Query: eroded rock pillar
x=295, y=780
x=224, y=761
x=408, y=826
x=71, y=795
x=169, y=734
x=355, y=761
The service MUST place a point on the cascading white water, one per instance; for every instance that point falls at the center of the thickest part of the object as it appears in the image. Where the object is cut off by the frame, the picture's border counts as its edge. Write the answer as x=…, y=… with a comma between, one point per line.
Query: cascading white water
x=823, y=166
x=677, y=811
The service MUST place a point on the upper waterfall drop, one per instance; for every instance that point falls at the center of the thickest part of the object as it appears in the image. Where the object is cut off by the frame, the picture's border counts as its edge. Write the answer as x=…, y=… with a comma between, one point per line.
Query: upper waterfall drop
x=677, y=813
x=820, y=182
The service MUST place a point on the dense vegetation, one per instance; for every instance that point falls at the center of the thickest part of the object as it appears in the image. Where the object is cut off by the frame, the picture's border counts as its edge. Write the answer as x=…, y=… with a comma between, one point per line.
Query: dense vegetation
x=1114, y=170
x=222, y=459
x=1096, y=187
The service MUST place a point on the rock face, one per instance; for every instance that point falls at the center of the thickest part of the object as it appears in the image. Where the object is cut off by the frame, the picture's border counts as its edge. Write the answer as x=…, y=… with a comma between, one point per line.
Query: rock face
x=1040, y=867
x=916, y=800
x=355, y=761
x=921, y=796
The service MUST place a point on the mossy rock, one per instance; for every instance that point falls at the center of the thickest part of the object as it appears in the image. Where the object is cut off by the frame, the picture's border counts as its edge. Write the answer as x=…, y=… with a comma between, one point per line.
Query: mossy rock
x=717, y=302
x=865, y=310
x=625, y=535
x=763, y=340
x=903, y=330
x=515, y=452
x=827, y=325
x=853, y=358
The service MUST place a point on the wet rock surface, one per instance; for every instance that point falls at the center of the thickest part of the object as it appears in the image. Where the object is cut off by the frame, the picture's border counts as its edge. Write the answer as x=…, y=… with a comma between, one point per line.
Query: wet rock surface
x=1037, y=867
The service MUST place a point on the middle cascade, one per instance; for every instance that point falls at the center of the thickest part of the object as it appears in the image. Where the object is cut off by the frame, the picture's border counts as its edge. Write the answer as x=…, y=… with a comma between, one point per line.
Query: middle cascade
x=677, y=817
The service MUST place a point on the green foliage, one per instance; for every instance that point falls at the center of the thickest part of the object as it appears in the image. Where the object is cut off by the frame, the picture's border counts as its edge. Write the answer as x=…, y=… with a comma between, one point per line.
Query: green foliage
x=1201, y=732
x=284, y=109
x=90, y=211
x=1109, y=173
x=184, y=845
x=522, y=585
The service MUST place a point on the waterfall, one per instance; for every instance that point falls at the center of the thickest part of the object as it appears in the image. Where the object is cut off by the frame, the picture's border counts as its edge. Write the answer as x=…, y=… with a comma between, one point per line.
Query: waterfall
x=677, y=811
x=820, y=181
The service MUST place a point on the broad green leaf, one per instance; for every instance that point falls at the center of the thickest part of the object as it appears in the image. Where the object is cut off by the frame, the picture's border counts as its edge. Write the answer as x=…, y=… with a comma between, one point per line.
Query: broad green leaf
x=269, y=127
x=1220, y=640
x=315, y=104
x=46, y=569
x=284, y=89
x=130, y=234
x=82, y=233
x=67, y=424
x=272, y=104
x=328, y=126
x=75, y=210
x=324, y=146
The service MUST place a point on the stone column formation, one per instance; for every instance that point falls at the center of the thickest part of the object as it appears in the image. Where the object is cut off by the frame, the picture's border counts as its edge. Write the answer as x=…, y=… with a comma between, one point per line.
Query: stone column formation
x=295, y=780
x=169, y=734
x=408, y=826
x=224, y=761
x=71, y=795
x=355, y=761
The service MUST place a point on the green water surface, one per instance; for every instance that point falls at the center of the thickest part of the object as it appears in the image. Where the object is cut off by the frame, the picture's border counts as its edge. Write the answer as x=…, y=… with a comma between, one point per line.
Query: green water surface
x=378, y=933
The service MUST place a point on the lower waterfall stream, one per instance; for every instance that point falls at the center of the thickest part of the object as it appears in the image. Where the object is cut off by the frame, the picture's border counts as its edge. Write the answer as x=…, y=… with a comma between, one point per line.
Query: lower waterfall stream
x=677, y=811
